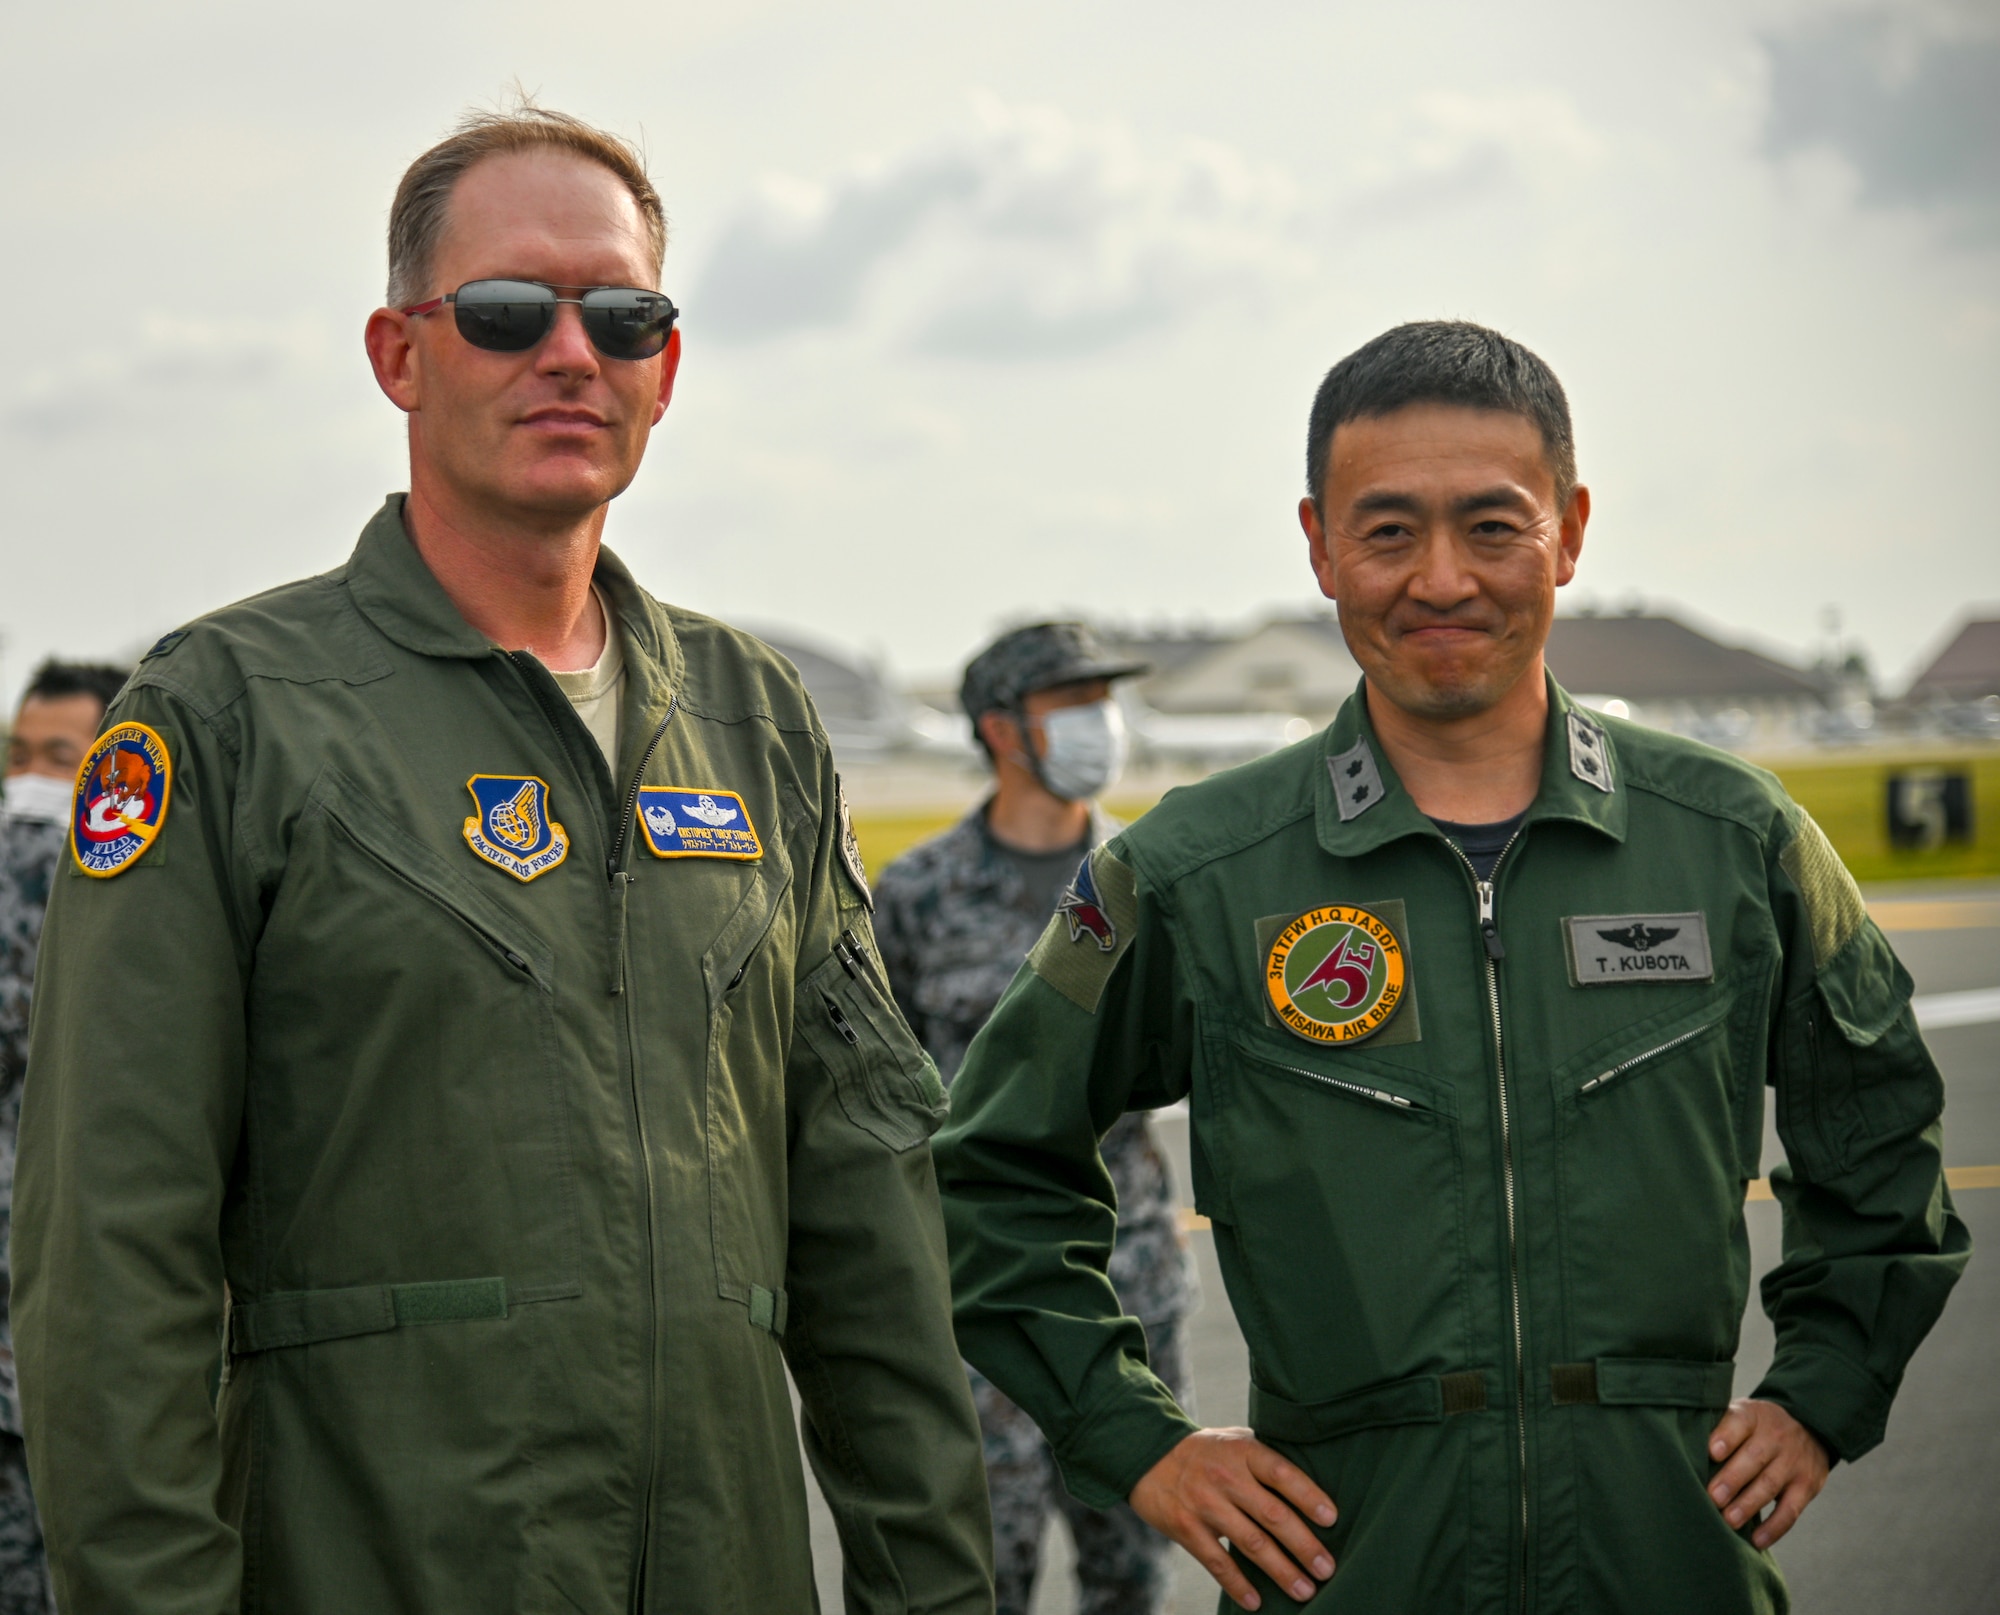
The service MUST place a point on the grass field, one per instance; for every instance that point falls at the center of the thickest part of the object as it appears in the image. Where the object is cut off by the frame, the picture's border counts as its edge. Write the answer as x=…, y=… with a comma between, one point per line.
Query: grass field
x=1847, y=796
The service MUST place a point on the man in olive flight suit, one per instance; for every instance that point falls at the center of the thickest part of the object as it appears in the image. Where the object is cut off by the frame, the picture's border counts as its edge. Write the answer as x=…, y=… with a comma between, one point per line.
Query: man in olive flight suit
x=462, y=960
x=1476, y=996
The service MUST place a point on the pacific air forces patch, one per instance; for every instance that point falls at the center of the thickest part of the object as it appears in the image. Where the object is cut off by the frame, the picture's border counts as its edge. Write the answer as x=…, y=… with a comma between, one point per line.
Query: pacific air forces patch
x=1336, y=974
x=689, y=822
x=1090, y=929
x=122, y=789
x=512, y=829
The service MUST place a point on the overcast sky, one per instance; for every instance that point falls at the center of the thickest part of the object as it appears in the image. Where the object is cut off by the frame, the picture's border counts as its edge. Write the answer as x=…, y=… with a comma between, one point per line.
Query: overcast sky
x=999, y=310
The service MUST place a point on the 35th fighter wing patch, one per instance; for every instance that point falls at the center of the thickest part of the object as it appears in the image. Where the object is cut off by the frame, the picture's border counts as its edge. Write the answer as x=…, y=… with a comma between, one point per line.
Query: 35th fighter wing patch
x=1090, y=930
x=121, y=799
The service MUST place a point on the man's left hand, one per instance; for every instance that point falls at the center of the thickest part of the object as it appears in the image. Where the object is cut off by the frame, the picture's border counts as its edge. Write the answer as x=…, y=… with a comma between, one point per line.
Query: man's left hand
x=1775, y=1457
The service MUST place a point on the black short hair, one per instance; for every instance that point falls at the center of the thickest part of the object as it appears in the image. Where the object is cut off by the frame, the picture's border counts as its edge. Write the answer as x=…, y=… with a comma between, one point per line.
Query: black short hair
x=56, y=681
x=1441, y=362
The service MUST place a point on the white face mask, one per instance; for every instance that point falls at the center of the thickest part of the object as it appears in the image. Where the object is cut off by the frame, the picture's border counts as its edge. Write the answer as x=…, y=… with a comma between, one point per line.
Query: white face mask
x=38, y=797
x=1086, y=750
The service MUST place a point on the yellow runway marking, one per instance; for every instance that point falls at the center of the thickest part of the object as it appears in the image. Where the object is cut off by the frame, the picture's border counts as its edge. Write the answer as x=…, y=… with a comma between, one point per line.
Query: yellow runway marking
x=1959, y=1177
x=1909, y=915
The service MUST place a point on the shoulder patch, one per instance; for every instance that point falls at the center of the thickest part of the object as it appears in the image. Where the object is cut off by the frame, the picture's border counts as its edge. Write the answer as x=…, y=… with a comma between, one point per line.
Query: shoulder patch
x=850, y=848
x=1089, y=931
x=1833, y=902
x=122, y=790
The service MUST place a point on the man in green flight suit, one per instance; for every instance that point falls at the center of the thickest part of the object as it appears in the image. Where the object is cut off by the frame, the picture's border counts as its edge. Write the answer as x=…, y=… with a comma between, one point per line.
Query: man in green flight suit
x=461, y=1009
x=1475, y=998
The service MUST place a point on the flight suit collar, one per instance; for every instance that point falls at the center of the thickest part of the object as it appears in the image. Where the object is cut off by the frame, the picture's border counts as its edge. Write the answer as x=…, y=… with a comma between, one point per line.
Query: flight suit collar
x=397, y=592
x=1361, y=805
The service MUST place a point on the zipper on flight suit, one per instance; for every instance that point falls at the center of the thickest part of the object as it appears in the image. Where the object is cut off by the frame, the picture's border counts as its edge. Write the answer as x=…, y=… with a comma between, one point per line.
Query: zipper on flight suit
x=1624, y=1066
x=620, y=880
x=621, y=877
x=1489, y=935
x=1376, y=1094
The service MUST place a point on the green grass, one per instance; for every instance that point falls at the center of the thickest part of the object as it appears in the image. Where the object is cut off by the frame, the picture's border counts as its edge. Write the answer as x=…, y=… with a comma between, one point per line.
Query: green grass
x=1845, y=796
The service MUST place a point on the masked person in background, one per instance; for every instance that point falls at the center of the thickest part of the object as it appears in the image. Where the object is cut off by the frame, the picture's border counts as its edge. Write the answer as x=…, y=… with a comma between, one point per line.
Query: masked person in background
x=57, y=720
x=954, y=918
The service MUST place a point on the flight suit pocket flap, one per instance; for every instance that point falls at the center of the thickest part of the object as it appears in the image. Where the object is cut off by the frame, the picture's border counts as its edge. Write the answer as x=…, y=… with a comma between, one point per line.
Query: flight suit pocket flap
x=1421, y=1399
x=307, y=1317
x=1642, y=1382
x=886, y=1082
x=404, y=856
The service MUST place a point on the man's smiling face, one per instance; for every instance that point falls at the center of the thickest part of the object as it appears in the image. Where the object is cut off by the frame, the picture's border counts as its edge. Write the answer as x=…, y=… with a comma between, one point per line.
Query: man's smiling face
x=1440, y=535
x=560, y=429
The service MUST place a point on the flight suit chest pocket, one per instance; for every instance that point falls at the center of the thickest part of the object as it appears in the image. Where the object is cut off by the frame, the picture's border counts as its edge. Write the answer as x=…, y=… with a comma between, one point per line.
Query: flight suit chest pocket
x=886, y=1084
x=406, y=1112
x=1652, y=1138
x=1345, y=1212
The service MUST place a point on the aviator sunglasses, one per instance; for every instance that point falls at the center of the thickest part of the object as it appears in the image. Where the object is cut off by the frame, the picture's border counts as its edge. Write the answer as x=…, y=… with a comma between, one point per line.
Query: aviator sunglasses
x=511, y=316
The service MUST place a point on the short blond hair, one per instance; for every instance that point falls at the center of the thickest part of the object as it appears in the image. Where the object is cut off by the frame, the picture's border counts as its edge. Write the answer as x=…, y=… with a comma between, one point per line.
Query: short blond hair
x=417, y=216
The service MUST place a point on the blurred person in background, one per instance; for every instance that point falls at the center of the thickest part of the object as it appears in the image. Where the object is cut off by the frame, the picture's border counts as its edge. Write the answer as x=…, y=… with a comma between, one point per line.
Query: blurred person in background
x=59, y=716
x=464, y=1012
x=955, y=916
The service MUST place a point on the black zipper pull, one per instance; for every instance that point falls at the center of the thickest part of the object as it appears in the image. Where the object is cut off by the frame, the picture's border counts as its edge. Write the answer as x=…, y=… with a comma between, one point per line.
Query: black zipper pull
x=1489, y=928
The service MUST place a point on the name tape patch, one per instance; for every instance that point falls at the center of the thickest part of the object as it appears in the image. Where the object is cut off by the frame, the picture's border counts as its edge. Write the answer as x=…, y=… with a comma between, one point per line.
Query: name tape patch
x=1608, y=948
x=121, y=799
x=685, y=822
x=1336, y=974
x=511, y=828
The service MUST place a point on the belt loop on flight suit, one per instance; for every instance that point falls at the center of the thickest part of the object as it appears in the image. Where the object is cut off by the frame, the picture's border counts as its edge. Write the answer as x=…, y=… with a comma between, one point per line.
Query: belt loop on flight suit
x=769, y=1308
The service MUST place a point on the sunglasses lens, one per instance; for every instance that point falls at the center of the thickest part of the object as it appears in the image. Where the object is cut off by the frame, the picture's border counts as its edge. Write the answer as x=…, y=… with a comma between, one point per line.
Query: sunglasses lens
x=626, y=323
x=504, y=316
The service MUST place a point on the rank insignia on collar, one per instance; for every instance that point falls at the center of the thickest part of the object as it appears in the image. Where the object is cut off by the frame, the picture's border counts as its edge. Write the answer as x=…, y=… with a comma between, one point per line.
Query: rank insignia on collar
x=1357, y=782
x=1336, y=974
x=685, y=822
x=512, y=829
x=121, y=799
x=1086, y=912
x=1589, y=753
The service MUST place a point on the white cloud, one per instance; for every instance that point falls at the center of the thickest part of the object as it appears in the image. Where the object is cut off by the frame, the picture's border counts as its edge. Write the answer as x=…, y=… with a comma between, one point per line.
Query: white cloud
x=1029, y=234
x=164, y=363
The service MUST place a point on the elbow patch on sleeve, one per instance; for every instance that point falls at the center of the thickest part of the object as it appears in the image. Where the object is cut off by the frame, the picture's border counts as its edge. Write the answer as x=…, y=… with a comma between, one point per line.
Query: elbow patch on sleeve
x=1092, y=927
x=1833, y=902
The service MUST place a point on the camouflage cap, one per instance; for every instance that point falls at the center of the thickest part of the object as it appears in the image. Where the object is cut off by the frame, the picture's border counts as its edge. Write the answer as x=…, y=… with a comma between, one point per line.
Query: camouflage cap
x=1037, y=658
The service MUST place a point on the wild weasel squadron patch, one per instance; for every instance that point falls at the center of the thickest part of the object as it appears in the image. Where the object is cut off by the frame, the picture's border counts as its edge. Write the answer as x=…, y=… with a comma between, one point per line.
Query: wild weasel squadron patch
x=512, y=829
x=121, y=799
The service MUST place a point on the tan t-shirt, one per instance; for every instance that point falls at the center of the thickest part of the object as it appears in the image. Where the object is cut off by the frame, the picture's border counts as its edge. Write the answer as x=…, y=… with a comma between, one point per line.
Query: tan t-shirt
x=598, y=692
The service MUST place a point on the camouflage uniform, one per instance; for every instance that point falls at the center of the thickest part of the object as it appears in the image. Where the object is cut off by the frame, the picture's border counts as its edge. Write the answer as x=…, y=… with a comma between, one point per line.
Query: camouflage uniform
x=954, y=920
x=29, y=853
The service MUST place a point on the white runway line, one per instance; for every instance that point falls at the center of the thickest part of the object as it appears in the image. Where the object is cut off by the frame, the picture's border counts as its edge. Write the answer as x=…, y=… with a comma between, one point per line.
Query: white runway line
x=1935, y=1010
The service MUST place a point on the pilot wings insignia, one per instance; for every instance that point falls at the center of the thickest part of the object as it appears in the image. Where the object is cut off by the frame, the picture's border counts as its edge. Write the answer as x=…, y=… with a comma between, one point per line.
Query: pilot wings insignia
x=1641, y=938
